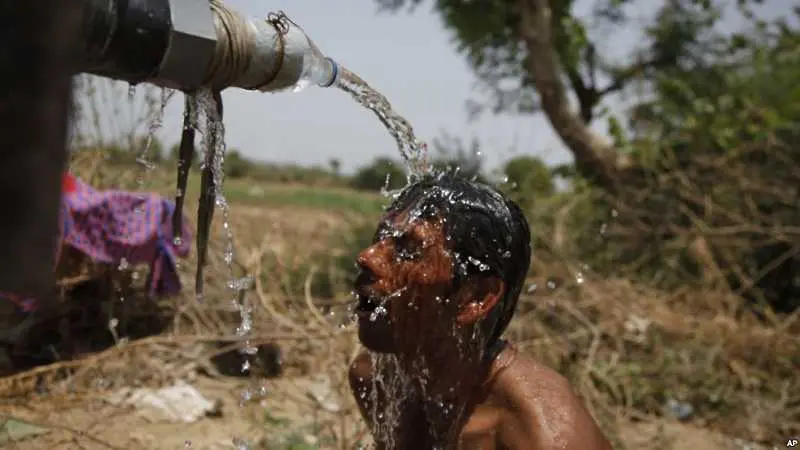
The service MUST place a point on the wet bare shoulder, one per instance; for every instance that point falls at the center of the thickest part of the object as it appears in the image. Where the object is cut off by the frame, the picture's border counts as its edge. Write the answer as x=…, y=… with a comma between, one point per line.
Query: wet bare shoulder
x=360, y=373
x=360, y=376
x=540, y=407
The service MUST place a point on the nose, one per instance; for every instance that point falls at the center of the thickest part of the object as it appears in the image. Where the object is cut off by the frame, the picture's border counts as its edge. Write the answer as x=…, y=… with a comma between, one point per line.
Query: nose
x=365, y=258
x=369, y=260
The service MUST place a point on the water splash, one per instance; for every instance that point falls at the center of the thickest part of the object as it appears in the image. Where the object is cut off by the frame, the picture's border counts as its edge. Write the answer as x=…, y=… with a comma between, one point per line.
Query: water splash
x=413, y=151
x=155, y=123
x=211, y=192
x=214, y=147
x=389, y=378
x=241, y=444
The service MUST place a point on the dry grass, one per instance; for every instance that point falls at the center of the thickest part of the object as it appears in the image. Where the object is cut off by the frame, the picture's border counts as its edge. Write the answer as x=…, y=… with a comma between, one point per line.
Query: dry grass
x=626, y=348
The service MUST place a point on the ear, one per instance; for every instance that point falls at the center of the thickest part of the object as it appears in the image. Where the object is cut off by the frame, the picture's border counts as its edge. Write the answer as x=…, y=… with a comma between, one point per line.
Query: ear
x=483, y=294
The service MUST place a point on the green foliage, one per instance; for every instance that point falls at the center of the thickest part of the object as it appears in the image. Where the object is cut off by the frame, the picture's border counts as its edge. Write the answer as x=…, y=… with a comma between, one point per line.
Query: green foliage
x=713, y=144
x=294, y=174
x=329, y=272
x=129, y=155
x=283, y=435
x=526, y=179
x=488, y=34
x=718, y=149
x=381, y=173
x=236, y=165
x=348, y=245
x=174, y=152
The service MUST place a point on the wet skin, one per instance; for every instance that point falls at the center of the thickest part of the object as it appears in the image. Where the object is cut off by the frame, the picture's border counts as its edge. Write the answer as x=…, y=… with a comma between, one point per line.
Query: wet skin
x=511, y=403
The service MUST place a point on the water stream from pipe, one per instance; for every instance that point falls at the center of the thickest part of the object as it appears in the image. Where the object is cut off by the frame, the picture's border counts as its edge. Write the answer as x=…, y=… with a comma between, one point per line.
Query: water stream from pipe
x=413, y=151
x=388, y=376
x=206, y=119
x=146, y=163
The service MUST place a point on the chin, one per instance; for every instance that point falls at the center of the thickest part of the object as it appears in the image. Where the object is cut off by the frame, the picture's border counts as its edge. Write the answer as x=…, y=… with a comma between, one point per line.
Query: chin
x=375, y=338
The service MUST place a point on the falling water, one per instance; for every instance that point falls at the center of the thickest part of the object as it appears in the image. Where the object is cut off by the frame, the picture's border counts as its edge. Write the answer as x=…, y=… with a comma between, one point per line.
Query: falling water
x=213, y=145
x=389, y=378
x=214, y=134
x=413, y=151
x=156, y=122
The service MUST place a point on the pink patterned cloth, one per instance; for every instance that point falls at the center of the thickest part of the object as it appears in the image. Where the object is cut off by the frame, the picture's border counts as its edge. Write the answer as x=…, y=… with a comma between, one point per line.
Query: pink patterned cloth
x=115, y=227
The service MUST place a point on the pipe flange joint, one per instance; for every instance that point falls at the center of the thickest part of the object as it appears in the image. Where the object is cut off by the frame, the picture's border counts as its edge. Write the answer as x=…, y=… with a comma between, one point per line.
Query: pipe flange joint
x=192, y=41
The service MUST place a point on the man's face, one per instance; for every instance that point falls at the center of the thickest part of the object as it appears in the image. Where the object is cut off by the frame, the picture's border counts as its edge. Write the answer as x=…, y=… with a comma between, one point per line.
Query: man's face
x=406, y=276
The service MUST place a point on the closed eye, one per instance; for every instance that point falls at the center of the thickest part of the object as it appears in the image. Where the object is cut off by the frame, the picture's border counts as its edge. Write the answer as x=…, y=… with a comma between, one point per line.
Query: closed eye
x=406, y=248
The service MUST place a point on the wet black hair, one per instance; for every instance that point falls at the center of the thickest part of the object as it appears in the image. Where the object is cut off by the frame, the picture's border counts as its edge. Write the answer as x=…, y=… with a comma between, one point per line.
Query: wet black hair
x=487, y=233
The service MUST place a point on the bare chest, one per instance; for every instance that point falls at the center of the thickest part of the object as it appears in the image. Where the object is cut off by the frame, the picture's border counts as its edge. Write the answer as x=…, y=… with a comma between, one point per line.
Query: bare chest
x=480, y=431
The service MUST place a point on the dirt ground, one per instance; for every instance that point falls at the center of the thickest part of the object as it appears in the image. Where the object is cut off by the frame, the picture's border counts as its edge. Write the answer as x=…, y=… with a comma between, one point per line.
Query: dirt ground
x=97, y=424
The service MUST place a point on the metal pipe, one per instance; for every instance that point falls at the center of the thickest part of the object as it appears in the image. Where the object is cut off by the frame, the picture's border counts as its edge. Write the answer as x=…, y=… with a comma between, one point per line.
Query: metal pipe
x=188, y=44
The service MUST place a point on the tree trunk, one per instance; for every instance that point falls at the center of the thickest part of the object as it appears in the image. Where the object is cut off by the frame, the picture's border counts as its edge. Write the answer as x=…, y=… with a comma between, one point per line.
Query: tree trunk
x=36, y=53
x=595, y=156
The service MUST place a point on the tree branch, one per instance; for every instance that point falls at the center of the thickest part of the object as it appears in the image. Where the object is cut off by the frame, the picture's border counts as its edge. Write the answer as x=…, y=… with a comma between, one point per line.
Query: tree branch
x=631, y=72
x=595, y=157
x=587, y=97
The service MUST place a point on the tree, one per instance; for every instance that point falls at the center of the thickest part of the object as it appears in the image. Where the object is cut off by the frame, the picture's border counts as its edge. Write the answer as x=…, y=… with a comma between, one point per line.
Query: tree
x=382, y=173
x=336, y=166
x=527, y=178
x=236, y=165
x=698, y=176
x=533, y=55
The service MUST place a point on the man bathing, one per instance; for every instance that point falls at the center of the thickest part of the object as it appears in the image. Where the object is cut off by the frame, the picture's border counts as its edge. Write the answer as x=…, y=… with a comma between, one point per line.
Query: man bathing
x=437, y=289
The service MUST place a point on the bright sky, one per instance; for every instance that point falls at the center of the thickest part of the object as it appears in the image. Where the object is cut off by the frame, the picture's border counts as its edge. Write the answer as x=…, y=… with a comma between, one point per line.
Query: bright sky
x=410, y=59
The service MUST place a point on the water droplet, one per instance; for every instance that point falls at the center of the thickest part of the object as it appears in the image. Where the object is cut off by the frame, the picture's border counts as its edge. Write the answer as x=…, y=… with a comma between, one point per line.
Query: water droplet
x=131, y=91
x=249, y=350
x=579, y=278
x=135, y=276
x=379, y=311
x=246, y=395
x=123, y=264
x=187, y=444
x=551, y=284
x=532, y=288
x=241, y=444
x=177, y=240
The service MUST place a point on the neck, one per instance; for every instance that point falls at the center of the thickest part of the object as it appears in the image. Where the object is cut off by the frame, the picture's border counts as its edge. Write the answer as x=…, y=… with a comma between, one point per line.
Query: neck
x=446, y=380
